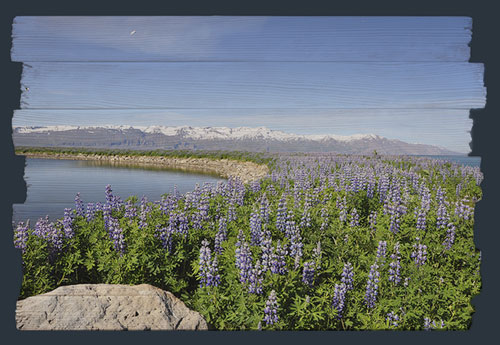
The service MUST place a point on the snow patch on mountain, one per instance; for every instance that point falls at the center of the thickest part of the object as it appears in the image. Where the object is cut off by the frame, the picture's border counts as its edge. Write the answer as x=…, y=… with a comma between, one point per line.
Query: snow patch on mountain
x=209, y=133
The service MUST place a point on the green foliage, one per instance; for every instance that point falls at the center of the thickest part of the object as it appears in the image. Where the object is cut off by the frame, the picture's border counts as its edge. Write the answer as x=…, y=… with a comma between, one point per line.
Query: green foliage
x=441, y=289
x=256, y=157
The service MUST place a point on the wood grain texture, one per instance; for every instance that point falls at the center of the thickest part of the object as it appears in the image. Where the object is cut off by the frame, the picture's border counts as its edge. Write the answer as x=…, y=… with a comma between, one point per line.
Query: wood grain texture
x=252, y=85
x=214, y=38
x=446, y=127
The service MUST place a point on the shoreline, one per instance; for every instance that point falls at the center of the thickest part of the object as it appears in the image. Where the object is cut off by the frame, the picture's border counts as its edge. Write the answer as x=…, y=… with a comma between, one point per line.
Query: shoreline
x=245, y=171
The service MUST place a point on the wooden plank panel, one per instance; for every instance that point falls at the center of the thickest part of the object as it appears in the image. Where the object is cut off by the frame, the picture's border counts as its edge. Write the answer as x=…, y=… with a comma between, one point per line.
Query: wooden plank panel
x=213, y=38
x=441, y=127
x=252, y=85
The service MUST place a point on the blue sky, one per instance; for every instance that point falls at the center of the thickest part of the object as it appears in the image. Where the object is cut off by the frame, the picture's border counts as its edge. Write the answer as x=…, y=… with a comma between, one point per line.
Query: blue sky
x=335, y=98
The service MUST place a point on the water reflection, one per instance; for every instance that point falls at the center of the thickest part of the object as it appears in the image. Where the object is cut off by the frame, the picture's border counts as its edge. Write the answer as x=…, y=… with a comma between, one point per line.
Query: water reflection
x=147, y=166
x=53, y=184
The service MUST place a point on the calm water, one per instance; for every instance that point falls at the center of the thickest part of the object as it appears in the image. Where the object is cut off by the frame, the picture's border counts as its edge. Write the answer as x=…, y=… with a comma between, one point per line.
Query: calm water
x=53, y=184
x=464, y=160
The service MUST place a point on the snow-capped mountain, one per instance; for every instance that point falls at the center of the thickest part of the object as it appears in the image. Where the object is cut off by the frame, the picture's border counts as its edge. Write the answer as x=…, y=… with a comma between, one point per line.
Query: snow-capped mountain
x=212, y=138
x=207, y=133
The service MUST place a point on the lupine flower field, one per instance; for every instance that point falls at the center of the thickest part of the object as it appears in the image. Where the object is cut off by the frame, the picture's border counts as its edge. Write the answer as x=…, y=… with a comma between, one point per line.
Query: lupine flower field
x=325, y=242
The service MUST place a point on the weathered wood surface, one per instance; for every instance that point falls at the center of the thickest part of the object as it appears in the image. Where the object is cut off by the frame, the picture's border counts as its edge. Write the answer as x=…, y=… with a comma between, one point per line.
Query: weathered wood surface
x=226, y=38
x=252, y=85
x=430, y=126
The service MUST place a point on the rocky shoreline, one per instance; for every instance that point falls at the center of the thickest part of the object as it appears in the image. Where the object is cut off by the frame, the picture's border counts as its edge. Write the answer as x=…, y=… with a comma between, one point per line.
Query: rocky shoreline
x=246, y=171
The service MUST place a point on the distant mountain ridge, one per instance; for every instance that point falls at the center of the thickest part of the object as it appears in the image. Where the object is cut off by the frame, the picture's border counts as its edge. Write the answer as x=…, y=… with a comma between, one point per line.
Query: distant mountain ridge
x=214, y=138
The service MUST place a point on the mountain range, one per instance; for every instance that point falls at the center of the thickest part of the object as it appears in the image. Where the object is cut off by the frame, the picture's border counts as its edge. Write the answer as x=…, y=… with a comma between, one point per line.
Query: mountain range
x=214, y=138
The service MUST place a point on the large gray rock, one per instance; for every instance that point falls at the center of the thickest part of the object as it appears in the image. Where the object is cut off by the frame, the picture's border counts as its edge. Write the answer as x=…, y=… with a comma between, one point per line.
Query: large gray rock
x=106, y=307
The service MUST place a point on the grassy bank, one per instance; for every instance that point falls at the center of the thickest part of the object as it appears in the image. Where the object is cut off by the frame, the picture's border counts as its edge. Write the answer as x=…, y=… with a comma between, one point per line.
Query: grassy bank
x=255, y=157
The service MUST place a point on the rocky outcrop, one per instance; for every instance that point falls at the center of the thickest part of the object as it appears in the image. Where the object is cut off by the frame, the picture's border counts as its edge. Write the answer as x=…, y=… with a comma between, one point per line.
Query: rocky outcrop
x=106, y=307
x=245, y=171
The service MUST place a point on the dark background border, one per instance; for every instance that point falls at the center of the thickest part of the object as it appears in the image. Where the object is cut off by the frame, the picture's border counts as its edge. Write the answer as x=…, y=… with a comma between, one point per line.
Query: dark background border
x=485, y=49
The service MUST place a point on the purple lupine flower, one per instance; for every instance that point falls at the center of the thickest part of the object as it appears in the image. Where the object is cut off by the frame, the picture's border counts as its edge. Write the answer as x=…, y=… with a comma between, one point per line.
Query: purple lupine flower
x=145, y=209
x=21, y=236
x=372, y=286
x=308, y=273
x=168, y=204
x=383, y=186
x=440, y=195
x=196, y=219
x=339, y=295
x=271, y=309
x=255, y=228
x=244, y=261
x=278, y=263
x=393, y=319
x=354, y=218
x=395, y=266
x=381, y=251
x=79, y=205
x=213, y=277
x=98, y=206
x=450, y=236
x=48, y=231
x=221, y=235
x=241, y=238
x=271, y=190
x=431, y=324
x=130, y=211
x=296, y=246
x=325, y=219
x=442, y=218
x=394, y=220
x=281, y=215
x=110, y=199
x=182, y=224
x=255, y=186
x=204, y=262
x=255, y=279
x=427, y=324
x=462, y=210
x=419, y=255
x=370, y=187
x=106, y=215
x=421, y=219
x=109, y=193
x=90, y=213
x=264, y=209
x=165, y=236
x=266, y=255
x=116, y=235
x=290, y=226
x=305, y=220
x=347, y=276
x=231, y=210
x=68, y=223
x=208, y=270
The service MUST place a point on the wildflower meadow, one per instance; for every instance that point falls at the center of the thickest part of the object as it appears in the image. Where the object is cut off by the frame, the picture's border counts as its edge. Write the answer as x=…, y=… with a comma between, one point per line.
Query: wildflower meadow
x=324, y=242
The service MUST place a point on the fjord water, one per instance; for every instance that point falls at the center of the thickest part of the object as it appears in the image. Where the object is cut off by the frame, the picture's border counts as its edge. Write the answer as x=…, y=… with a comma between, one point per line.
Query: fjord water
x=52, y=185
x=458, y=159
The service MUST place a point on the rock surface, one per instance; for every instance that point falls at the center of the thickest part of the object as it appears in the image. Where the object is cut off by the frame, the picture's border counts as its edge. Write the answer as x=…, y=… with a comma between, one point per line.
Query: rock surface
x=106, y=307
